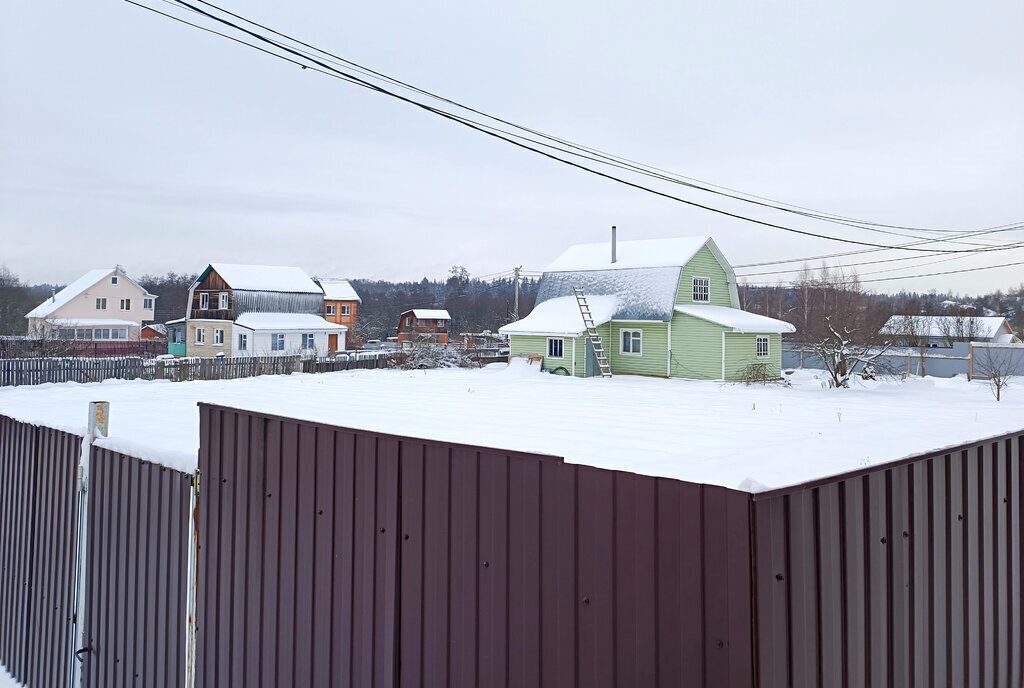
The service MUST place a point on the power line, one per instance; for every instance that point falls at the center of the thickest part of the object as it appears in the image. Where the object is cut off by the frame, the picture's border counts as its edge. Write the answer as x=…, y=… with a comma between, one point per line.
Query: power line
x=511, y=138
x=905, y=277
x=608, y=158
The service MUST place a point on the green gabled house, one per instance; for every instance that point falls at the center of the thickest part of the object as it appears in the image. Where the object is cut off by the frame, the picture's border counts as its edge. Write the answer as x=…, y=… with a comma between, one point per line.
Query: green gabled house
x=661, y=307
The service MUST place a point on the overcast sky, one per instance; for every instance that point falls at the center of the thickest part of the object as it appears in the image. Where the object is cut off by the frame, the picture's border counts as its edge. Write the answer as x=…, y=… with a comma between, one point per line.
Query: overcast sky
x=127, y=138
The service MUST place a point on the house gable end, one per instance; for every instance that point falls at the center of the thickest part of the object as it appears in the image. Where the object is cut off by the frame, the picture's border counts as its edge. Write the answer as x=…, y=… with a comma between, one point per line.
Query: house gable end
x=708, y=263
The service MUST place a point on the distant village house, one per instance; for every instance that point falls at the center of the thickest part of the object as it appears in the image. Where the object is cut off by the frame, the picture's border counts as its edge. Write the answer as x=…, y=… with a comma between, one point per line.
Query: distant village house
x=942, y=331
x=424, y=325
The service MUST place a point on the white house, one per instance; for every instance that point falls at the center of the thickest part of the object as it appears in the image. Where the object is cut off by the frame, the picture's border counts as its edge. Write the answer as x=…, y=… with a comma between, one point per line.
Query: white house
x=941, y=331
x=103, y=305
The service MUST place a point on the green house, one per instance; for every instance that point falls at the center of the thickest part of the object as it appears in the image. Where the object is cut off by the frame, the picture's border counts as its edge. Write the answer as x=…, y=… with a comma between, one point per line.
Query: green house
x=662, y=307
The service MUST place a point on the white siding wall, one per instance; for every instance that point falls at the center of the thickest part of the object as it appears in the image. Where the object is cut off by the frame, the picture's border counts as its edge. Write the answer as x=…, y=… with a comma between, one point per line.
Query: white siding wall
x=259, y=343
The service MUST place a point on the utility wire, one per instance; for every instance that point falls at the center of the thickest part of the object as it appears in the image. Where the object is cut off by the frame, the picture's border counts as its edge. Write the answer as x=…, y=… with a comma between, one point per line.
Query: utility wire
x=608, y=158
x=331, y=71
x=905, y=277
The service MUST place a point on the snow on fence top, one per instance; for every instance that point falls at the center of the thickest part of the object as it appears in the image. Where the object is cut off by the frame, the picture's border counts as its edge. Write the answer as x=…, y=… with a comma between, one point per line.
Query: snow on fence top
x=749, y=438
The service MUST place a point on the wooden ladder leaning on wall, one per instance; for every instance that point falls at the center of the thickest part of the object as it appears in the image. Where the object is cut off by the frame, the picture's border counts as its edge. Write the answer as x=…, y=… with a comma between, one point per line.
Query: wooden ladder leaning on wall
x=592, y=334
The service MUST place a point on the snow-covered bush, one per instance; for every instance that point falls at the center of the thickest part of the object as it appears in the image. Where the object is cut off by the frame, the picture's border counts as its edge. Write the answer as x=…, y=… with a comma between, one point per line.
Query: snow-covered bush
x=425, y=355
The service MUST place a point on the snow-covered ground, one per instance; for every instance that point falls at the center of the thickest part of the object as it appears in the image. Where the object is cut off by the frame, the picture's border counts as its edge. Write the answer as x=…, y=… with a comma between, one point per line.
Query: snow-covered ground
x=6, y=680
x=750, y=438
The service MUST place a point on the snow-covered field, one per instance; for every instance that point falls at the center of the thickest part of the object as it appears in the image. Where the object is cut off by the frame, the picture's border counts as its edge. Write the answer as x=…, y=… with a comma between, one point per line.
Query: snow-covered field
x=750, y=438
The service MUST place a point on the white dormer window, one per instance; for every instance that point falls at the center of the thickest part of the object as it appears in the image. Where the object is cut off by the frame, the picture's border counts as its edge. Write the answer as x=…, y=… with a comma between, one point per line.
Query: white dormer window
x=223, y=305
x=702, y=289
x=113, y=280
x=204, y=301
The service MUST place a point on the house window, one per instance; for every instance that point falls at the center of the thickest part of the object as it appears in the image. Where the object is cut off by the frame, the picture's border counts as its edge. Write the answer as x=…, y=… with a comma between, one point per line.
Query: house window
x=147, y=304
x=66, y=334
x=126, y=304
x=632, y=342
x=243, y=342
x=218, y=337
x=762, y=347
x=307, y=341
x=200, y=335
x=223, y=305
x=119, y=333
x=408, y=322
x=701, y=289
x=440, y=324
x=330, y=310
x=83, y=334
x=277, y=342
x=556, y=348
x=101, y=304
x=101, y=333
x=204, y=301
x=346, y=310
x=113, y=280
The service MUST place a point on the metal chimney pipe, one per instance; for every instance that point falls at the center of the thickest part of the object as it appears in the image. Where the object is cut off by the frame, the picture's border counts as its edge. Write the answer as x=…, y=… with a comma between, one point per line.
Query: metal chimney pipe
x=613, y=243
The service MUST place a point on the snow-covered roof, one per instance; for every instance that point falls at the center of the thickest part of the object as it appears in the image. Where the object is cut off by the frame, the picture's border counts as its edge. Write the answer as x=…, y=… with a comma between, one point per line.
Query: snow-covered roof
x=93, y=322
x=175, y=322
x=739, y=321
x=647, y=253
x=945, y=325
x=76, y=288
x=157, y=327
x=265, y=278
x=561, y=316
x=643, y=293
x=286, y=321
x=430, y=314
x=339, y=290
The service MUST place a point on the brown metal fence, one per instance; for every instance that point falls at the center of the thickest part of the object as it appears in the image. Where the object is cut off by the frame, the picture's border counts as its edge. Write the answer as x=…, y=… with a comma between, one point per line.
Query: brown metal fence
x=335, y=557
x=136, y=573
x=38, y=541
x=905, y=575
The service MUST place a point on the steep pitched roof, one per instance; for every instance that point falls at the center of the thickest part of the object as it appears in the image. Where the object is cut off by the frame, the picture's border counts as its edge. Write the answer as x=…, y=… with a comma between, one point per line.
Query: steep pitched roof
x=338, y=290
x=77, y=288
x=645, y=253
x=264, y=278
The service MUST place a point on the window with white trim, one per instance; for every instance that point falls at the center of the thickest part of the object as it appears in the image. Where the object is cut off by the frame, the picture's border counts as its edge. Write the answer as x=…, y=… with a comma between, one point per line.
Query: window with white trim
x=330, y=309
x=243, y=342
x=632, y=342
x=81, y=333
x=218, y=336
x=702, y=289
x=101, y=304
x=126, y=304
x=119, y=333
x=223, y=305
x=440, y=324
x=307, y=341
x=147, y=304
x=346, y=310
x=204, y=301
x=200, y=335
x=762, y=347
x=408, y=322
x=113, y=279
x=277, y=342
x=101, y=333
x=556, y=347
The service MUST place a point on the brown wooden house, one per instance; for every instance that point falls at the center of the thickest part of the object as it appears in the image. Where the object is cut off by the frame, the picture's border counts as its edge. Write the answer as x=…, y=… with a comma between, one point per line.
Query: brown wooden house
x=424, y=324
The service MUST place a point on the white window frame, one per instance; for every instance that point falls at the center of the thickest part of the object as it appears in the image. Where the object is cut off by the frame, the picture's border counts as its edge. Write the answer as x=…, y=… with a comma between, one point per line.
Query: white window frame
x=308, y=340
x=101, y=333
x=767, y=346
x=113, y=279
x=408, y=321
x=126, y=304
x=276, y=337
x=330, y=309
x=561, y=341
x=218, y=336
x=346, y=310
x=147, y=304
x=101, y=303
x=440, y=323
x=200, y=336
x=703, y=283
x=204, y=301
x=243, y=342
x=222, y=303
x=119, y=333
x=631, y=332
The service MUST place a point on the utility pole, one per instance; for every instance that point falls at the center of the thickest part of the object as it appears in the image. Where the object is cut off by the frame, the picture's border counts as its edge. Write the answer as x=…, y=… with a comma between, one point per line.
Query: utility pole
x=515, y=303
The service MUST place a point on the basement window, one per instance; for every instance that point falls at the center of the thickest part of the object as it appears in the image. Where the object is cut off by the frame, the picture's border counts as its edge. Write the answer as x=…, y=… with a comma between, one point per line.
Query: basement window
x=556, y=347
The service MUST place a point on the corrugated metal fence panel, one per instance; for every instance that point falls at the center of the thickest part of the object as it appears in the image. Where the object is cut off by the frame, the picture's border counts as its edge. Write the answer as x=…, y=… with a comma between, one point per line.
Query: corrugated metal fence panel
x=38, y=539
x=901, y=576
x=331, y=557
x=136, y=572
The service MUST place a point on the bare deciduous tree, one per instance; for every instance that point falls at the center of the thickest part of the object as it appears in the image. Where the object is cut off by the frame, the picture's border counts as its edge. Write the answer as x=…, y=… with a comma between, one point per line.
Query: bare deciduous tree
x=997, y=365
